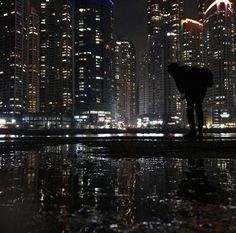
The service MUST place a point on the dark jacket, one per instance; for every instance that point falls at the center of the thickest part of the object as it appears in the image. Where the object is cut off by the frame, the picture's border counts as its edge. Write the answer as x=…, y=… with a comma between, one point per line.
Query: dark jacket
x=193, y=79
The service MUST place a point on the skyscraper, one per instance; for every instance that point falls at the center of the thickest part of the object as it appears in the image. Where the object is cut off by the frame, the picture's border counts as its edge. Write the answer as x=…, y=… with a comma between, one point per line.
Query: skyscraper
x=201, y=10
x=56, y=56
x=220, y=58
x=32, y=85
x=93, y=63
x=13, y=55
x=191, y=42
x=165, y=16
x=158, y=94
x=125, y=81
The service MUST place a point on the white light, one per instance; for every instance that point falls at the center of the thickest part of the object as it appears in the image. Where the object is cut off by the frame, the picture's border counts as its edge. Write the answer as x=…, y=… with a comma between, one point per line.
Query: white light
x=2, y=121
x=217, y=2
x=225, y=115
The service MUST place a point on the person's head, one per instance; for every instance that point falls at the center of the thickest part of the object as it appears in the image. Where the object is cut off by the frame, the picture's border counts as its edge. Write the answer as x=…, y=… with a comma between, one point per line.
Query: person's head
x=173, y=68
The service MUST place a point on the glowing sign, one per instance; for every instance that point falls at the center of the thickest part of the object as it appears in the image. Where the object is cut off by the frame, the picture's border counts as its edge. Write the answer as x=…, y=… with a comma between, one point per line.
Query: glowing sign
x=217, y=3
x=183, y=21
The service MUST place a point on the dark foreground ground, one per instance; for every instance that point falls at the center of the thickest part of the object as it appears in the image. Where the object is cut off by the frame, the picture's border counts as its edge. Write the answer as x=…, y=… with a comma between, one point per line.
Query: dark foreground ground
x=127, y=183
x=143, y=145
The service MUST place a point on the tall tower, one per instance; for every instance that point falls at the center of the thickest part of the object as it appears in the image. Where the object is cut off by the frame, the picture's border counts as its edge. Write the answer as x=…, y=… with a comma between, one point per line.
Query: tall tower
x=32, y=87
x=56, y=56
x=201, y=9
x=218, y=35
x=191, y=43
x=157, y=89
x=165, y=16
x=13, y=55
x=93, y=63
x=125, y=81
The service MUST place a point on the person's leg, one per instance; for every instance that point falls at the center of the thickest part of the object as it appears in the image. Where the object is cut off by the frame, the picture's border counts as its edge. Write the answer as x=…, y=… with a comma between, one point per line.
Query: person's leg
x=190, y=116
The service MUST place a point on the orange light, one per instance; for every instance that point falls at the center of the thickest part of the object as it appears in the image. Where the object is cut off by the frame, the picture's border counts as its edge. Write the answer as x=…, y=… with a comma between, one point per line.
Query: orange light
x=183, y=21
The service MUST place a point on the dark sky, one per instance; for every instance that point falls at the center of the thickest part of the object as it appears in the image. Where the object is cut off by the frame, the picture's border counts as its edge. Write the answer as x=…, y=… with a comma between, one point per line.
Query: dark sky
x=130, y=18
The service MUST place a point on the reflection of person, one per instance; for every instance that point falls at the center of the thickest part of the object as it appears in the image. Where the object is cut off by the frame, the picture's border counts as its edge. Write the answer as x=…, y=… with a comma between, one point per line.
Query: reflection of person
x=202, y=199
x=192, y=83
x=196, y=185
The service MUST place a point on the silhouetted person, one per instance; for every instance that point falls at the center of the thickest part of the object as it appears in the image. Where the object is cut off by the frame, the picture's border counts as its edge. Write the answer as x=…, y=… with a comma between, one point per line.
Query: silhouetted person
x=197, y=186
x=192, y=83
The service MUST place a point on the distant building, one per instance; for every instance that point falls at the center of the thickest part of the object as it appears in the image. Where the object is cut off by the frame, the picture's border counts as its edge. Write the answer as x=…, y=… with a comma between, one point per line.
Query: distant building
x=220, y=58
x=13, y=56
x=125, y=82
x=93, y=62
x=191, y=42
x=157, y=90
x=56, y=60
x=32, y=85
x=143, y=84
x=165, y=16
x=201, y=10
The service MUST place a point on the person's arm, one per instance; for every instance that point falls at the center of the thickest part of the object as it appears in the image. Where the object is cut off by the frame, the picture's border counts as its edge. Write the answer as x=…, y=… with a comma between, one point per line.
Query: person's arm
x=181, y=98
x=179, y=84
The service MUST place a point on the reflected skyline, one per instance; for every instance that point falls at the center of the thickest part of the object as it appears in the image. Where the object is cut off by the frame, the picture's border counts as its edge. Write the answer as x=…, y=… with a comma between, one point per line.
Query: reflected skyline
x=73, y=188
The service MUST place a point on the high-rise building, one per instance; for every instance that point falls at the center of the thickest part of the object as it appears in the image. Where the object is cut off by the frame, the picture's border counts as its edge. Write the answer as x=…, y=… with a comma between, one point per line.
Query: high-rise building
x=125, y=82
x=56, y=74
x=165, y=16
x=93, y=61
x=157, y=91
x=201, y=9
x=143, y=84
x=32, y=85
x=13, y=56
x=234, y=67
x=220, y=58
x=191, y=42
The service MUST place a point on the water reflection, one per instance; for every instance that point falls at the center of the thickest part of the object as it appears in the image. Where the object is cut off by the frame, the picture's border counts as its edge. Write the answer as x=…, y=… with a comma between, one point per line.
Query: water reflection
x=73, y=188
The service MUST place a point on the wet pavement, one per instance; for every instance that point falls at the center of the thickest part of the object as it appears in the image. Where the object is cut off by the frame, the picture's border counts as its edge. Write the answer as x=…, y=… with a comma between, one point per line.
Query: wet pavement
x=78, y=188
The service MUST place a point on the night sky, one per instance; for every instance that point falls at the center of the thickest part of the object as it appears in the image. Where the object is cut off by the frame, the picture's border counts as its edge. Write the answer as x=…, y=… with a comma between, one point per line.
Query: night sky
x=130, y=19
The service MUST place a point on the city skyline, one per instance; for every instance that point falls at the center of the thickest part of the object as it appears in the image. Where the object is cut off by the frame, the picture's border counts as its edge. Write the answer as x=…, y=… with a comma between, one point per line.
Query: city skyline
x=130, y=19
x=117, y=116
x=68, y=59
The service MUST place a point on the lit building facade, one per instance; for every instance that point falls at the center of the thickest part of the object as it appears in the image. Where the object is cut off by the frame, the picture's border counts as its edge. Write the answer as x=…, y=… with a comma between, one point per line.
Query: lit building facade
x=32, y=87
x=201, y=9
x=220, y=58
x=191, y=43
x=142, y=84
x=13, y=56
x=125, y=82
x=93, y=62
x=165, y=16
x=56, y=60
x=157, y=90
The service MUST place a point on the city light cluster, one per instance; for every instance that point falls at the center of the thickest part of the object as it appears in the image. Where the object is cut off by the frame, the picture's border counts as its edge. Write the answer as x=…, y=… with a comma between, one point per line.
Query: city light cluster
x=62, y=64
